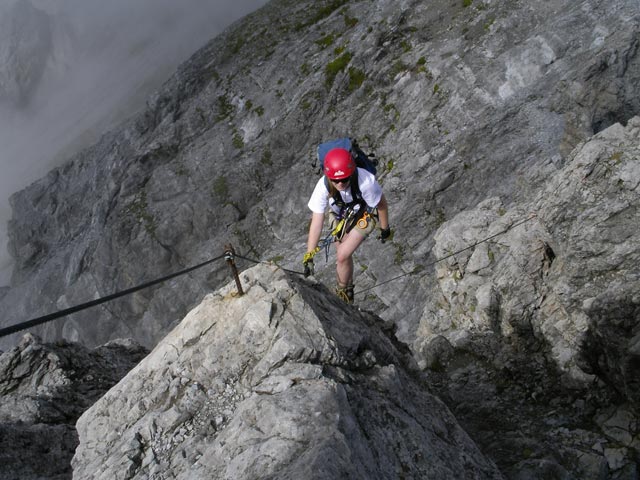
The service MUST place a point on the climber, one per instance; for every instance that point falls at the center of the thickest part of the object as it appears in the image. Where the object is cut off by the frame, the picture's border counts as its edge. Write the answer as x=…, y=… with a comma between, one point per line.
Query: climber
x=355, y=202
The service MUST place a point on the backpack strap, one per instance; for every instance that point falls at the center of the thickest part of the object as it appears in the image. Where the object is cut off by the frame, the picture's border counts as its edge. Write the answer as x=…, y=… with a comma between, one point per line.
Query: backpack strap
x=355, y=193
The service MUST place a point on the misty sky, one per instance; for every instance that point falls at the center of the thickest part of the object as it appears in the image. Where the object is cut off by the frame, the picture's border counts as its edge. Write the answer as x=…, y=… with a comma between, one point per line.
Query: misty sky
x=105, y=59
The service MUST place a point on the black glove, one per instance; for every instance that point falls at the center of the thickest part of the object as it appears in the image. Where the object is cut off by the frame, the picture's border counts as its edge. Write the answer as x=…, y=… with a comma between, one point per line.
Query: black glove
x=385, y=233
x=307, y=261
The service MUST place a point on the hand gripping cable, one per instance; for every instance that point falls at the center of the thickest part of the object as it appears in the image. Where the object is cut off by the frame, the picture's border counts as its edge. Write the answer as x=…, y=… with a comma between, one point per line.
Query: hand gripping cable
x=325, y=243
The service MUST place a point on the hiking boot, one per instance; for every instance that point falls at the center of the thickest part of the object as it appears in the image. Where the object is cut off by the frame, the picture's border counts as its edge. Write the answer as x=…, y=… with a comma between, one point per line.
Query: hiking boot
x=345, y=293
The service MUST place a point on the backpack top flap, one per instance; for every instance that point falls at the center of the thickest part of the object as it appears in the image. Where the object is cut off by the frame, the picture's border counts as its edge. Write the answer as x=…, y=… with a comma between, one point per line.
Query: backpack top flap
x=324, y=148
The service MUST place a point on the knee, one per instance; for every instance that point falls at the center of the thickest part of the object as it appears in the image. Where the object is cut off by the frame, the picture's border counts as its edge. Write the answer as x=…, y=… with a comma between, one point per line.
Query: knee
x=342, y=258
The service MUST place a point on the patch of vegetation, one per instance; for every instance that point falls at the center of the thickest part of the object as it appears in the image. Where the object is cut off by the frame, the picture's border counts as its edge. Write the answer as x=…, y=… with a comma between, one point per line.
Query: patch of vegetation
x=491, y=255
x=237, y=140
x=466, y=3
x=490, y=22
x=391, y=108
x=326, y=41
x=406, y=46
x=350, y=22
x=436, y=88
x=220, y=188
x=398, y=67
x=336, y=66
x=440, y=217
x=225, y=108
x=266, y=158
x=323, y=12
x=417, y=268
x=216, y=76
x=389, y=165
x=139, y=208
x=305, y=69
x=356, y=77
x=237, y=45
x=421, y=67
x=259, y=110
x=616, y=157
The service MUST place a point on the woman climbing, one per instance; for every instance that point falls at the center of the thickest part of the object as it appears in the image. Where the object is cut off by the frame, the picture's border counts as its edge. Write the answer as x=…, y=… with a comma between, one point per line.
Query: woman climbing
x=355, y=201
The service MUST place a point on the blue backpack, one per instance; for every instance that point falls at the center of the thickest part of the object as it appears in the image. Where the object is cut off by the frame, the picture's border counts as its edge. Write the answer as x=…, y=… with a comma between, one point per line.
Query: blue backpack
x=362, y=159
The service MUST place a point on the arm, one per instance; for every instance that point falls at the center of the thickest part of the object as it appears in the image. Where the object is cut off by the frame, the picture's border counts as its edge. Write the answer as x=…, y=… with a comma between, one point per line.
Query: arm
x=315, y=230
x=383, y=213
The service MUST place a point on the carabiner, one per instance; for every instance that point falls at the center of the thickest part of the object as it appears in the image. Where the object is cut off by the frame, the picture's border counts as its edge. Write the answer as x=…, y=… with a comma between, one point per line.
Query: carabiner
x=364, y=221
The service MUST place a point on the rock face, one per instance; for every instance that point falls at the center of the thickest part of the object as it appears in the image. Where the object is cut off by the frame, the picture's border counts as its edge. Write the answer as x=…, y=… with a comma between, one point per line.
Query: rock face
x=283, y=382
x=547, y=314
x=575, y=248
x=72, y=69
x=25, y=45
x=43, y=390
x=508, y=138
x=461, y=104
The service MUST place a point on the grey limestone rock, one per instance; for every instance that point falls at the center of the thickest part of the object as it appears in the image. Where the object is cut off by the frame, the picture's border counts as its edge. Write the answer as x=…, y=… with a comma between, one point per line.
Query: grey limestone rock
x=551, y=304
x=481, y=114
x=461, y=104
x=283, y=382
x=25, y=47
x=43, y=390
x=544, y=268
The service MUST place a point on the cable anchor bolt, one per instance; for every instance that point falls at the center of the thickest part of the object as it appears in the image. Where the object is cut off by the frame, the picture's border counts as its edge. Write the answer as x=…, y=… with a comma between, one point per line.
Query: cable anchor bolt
x=229, y=256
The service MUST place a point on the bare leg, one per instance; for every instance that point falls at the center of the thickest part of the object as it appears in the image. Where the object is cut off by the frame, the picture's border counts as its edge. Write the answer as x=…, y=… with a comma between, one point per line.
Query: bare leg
x=344, y=257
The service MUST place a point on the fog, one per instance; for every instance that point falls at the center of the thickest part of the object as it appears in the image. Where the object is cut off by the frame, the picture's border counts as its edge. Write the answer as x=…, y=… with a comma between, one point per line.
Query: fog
x=91, y=64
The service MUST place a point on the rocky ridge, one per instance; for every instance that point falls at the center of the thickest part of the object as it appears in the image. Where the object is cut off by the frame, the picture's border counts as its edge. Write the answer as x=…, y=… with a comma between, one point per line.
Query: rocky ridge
x=283, y=382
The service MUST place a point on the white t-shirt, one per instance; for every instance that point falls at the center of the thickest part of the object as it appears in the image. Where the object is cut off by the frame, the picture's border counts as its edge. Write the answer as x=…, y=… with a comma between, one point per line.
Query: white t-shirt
x=369, y=188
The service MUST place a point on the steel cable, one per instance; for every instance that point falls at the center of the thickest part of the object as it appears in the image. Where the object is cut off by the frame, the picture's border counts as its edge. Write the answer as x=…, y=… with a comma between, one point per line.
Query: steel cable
x=77, y=308
x=68, y=311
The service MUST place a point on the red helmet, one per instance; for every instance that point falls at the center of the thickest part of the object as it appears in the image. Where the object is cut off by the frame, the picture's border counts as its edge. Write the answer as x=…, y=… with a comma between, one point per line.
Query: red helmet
x=338, y=164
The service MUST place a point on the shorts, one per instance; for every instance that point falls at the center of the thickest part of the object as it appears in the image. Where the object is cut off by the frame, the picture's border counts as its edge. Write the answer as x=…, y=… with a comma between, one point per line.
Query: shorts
x=364, y=226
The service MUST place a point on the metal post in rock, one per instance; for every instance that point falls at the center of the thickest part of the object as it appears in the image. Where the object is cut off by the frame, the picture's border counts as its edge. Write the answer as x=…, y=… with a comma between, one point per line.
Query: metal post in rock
x=229, y=256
